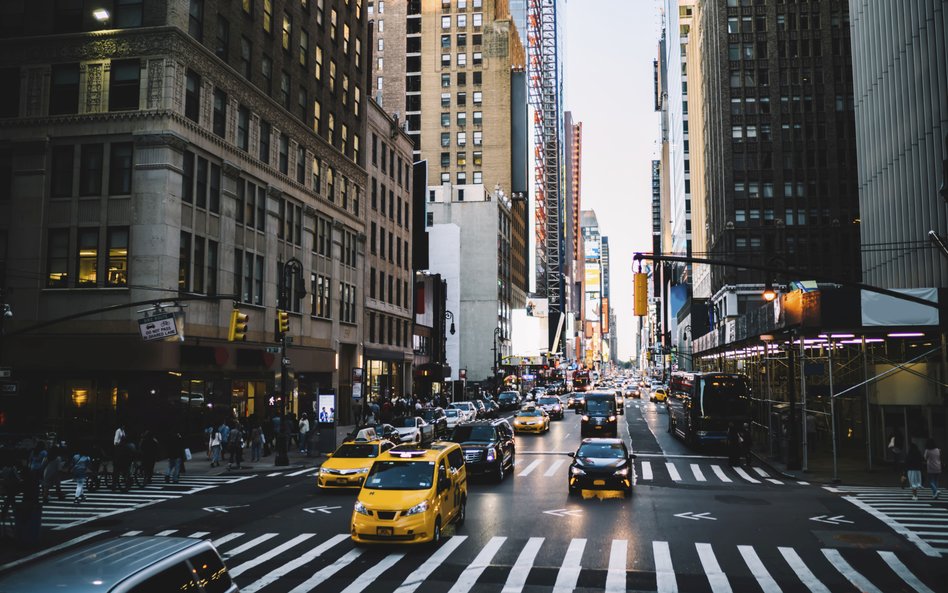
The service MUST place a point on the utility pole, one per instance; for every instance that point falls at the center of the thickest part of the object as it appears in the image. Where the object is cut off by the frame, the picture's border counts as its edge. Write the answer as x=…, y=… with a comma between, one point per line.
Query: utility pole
x=295, y=267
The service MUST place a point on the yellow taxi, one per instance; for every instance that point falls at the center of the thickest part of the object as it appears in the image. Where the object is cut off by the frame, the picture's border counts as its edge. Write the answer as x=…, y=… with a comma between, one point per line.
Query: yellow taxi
x=348, y=466
x=659, y=395
x=410, y=494
x=531, y=419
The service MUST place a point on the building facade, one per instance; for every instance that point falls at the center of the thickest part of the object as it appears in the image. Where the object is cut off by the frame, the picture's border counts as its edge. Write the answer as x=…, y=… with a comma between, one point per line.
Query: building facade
x=180, y=153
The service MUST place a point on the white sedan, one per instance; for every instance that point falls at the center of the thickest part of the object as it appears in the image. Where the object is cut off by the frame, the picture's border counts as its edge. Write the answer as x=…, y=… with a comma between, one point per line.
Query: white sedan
x=414, y=430
x=454, y=417
x=467, y=409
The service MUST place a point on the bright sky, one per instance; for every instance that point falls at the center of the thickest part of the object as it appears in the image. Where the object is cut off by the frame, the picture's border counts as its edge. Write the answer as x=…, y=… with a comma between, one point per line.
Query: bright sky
x=610, y=45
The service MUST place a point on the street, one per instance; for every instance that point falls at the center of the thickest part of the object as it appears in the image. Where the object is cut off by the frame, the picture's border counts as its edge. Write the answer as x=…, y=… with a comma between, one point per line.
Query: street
x=693, y=524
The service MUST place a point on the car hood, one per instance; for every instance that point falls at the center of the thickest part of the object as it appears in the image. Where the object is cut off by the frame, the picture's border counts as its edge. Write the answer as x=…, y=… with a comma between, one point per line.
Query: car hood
x=601, y=462
x=348, y=462
x=392, y=500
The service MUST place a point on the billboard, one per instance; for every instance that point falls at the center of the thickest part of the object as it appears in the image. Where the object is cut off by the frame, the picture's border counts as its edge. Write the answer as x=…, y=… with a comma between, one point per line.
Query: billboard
x=591, y=247
x=605, y=315
x=537, y=307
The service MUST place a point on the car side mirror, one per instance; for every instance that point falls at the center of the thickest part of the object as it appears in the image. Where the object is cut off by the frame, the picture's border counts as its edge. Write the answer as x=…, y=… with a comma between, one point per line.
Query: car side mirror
x=328, y=455
x=632, y=456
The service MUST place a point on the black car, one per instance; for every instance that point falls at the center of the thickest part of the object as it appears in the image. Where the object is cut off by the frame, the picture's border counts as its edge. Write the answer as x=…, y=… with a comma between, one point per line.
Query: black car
x=439, y=419
x=508, y=400
x=491, y=409
x=552, y=405
x=601, y=464
x=488, y=447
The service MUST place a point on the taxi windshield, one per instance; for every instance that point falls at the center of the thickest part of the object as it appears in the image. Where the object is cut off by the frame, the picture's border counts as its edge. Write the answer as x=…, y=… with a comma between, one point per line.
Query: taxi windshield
x=401, y=475
x=530, y=413
x=361, y=450
x=602, y=451
x=600, y=406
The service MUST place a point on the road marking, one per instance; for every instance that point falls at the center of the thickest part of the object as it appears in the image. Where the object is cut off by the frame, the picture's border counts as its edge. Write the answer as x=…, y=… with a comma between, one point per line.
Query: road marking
x=773, y=481
x=250, y=544
x=760, y=472
x=720, y=473
x=302, y=471
x=292, y=565
x=469, y=577
x=673, y=472
x=696, y=516
x=321, y=509
x=646, y=470
x=664, y=570
x=556, y=465
x=802, y=483
x=130, y=533
x=225, y=538
x=803, y=573
x=904, y=573
x=368, y=577
x=861, y=583
x=274, y=474
x=615, y=576
x=517, y=577
x=564, y=512
x=568, y=575
x=697, y=472
x=321, y=576
x=740, y=471
x=712, y=570
x=55, y=548
x=529, y=469
x=165, y=533
x=896, y=527
x=242, y=568
x=415, y=579
x=766, y=582
x=199, y=534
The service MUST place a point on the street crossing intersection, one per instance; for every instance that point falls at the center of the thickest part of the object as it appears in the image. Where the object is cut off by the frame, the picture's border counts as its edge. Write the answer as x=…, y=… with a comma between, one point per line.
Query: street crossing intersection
x=305, y=562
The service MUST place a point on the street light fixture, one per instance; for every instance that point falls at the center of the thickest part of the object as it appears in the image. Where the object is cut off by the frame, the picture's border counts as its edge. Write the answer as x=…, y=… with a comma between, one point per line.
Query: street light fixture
x=769, y=293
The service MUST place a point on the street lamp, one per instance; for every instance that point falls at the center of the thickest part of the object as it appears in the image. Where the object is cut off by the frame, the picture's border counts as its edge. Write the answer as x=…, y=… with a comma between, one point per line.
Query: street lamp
x=769, y=293
x=295, y=267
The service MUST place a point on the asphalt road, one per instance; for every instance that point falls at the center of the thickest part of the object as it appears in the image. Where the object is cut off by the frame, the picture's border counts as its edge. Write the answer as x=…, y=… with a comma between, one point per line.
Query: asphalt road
x=692, y=524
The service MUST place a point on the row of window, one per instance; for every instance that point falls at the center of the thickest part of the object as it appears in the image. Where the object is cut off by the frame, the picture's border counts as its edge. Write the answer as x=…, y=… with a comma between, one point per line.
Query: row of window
x=477, y=21
x=87, y=257
x=397, y=290
x=124, y=78
x=461, y=100
x=400, y=171
x=80, y=170
x=477, y=78
x=459, y=5
x=378, y=199
x=391, y=331
x=460, y=40
x=800, y=216
x=460, y=59
x=396, y=253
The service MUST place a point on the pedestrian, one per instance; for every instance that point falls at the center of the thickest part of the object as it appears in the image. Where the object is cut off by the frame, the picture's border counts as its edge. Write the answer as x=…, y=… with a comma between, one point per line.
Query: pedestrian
x=80, y=466
x=914, y=464
x=214, y=444
x=733, y=444
x=148, y=446
x=898, y=455
x=933, y=465
x=304, y=429
x=52, y=474
x=122, y=466
x=175, y=458
x=256, y=443
x=120, y=435
x=235, y=447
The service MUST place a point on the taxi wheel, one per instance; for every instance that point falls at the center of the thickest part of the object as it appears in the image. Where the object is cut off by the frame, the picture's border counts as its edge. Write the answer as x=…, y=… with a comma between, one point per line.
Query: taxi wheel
x=462, y=513
x=436, y=536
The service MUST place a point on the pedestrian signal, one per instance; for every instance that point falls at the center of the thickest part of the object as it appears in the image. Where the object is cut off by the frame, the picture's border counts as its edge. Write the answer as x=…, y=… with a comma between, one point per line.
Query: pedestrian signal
x=640, y=294
x=238, y=326
x=283, y=322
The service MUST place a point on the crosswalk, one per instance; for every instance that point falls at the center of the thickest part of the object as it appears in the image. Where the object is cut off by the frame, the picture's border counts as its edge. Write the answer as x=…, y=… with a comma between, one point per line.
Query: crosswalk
x=63, y=514
x=313, y=562
x=924, y=522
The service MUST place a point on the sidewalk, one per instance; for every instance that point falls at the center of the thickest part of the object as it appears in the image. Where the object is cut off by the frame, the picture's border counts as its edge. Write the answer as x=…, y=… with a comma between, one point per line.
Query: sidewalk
x=200, y=465
x=849, y=470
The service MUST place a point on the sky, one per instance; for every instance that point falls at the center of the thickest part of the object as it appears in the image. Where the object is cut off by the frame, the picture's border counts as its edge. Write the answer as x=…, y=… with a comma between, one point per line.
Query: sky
x=610, y=46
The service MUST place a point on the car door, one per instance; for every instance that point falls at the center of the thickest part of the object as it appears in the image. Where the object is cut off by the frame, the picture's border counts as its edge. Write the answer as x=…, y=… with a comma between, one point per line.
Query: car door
x=444, y=495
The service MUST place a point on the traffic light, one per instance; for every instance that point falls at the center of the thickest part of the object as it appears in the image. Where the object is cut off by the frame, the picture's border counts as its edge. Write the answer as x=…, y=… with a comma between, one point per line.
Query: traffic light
x=238, y=326
x=283, y=322
x=648, y=355
x=640, y=294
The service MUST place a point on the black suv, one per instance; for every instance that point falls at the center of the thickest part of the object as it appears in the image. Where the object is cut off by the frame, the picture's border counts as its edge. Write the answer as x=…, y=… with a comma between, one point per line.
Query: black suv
x=436, y=417
x=488, y=447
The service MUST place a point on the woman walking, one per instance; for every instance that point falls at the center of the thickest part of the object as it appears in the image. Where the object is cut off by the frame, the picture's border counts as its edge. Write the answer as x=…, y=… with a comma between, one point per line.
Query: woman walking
x=933, y=460
x=914, y=463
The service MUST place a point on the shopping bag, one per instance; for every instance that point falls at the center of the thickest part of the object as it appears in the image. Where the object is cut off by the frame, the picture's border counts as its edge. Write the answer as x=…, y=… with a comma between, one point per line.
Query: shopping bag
x=187, y=454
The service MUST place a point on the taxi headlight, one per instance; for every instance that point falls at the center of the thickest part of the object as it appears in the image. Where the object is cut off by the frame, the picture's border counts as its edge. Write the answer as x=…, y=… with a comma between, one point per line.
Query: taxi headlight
x=362, y=470
x=323, y=471
x=421, y=507
x=491, y=455
x=575, y=471
x=360, y=508
x=622, y=472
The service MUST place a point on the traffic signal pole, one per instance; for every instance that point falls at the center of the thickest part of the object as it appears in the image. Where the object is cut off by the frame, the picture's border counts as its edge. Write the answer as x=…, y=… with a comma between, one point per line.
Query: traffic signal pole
x=295, y=267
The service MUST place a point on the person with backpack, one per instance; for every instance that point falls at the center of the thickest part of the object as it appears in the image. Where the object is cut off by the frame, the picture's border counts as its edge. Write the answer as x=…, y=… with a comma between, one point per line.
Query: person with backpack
x=235, y=446
x=80, y=467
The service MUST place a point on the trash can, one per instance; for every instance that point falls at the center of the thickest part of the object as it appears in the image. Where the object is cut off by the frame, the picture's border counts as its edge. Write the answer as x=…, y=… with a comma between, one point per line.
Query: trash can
x=27, y=519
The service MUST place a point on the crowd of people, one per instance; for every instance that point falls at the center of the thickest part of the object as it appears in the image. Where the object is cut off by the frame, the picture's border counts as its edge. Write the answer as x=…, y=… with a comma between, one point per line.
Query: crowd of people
x=386, y=409
x=915, y=463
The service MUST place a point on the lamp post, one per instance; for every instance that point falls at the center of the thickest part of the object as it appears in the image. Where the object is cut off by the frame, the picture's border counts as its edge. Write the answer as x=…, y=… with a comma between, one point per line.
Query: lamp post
x=444, y=350
x=292, y=266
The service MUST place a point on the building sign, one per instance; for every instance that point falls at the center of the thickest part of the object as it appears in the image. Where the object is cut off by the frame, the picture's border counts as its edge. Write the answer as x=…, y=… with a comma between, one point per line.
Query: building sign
x=158, y=327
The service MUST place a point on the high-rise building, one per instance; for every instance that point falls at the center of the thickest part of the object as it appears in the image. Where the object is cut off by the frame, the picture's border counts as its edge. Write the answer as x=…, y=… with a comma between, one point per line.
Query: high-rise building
x=779, y=145
x=573, y=262
x=192, y=155
x=592, y=299
x=901, y=98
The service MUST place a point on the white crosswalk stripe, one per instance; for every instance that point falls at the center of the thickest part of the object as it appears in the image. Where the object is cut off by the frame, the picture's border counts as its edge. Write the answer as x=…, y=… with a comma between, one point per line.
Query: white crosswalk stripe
x=673, y=471
x=647, y=470
x=302, y=564
x=529, y=469
x=696, y=470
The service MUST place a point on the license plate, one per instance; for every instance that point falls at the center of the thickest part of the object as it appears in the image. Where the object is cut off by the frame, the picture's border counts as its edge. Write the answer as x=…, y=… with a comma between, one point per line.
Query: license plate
x=384, y=531
x=599, y=482
x=598, y=427
x=342, y=482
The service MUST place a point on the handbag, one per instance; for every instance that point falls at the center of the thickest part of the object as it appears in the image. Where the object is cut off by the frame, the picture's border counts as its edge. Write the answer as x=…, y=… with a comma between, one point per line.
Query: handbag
x=187, y=454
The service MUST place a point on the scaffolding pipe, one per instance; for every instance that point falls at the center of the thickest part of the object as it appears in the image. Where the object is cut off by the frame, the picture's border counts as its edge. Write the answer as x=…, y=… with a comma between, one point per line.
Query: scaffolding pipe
x=865, y=370
x=805, y=438
x=832, y=410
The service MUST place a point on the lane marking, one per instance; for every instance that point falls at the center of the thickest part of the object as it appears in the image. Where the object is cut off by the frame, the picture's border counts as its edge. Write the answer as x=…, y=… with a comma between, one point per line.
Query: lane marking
x=321, y=576
x=896, y=527
x=529, y=469
x=250, y=544
x=673, y=471
x=556, y=465
x=664, y=570
x=712, y=570
x=568, y=575
x=802, y=571
x=517, y=577
x=242, y=568
x=414, y=580
x=469, y=577
x=760, y=472
x=199, y=534
x=300, y=472
x=615, y=576
x=646, y=470
x=904, y=573
x=720, y=473
x=773, y=481
x=130, y=533
x=225, y=538
x=292, y=565
x=860, y=582
x=766, y=582
x=740, y=471
x=697, y=472
x=368, y=577
x=274, y=474
x=166, y=533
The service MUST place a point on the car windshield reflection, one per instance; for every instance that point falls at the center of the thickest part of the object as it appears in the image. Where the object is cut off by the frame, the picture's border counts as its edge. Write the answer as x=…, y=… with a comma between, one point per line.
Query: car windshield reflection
x=401, y=475
x=602, y=451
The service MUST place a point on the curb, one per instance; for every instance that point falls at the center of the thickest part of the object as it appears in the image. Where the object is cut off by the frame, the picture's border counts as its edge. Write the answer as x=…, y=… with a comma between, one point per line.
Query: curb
x=764, y=461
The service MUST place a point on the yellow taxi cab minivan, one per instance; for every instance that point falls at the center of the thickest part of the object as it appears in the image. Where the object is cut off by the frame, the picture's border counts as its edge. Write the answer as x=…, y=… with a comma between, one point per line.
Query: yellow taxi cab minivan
x=410, y=494
x=349, y=464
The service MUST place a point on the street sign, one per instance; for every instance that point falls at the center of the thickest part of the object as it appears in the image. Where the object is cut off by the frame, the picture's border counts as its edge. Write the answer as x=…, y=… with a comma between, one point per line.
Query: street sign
x=5, y=372
x=8, y=388
x=273, y=349
x=157, y=327
x=696, y=516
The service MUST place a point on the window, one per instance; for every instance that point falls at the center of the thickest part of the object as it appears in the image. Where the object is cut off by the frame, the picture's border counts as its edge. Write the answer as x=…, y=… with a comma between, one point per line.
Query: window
x=319, y=296
x=57, y=258
x=333, y=25
x=64, y=89
x=478, y=97
x=332, y=76
x=123, y=85
x=445, y=139
x=446, y=22
x=323, y=242
x=477, y=19
x=287, y=31
x=318, y=71
x=478, y=58
x=248, y=277
x=445, y=82
x=317, y=164
x=90, y=169
x=478, y=158
x=462, y=21
x=128, y=13
x=87, y=241
x=268, y=16
x=462, y=178
x=461, y=159
x=462, y=60
x=266, y=69
x=192, y=95
x=284, y=154
x=445, y=160
x=265, y=131
x=347, y=298
x=300, y=164
x=445, y=100
x=462, y=119
x=120, y=168
x=317, y=115
x=285, y=90
x=243, y=128
x=196, y=19
x=61, y=167
x=478, y=138
x=330, y=184
x=246, y=50
x=478, y=118
x=478, y=177
x=445, y=120
x=445, y=60
x=220, y=112
x=462, y=138
x=222, y=40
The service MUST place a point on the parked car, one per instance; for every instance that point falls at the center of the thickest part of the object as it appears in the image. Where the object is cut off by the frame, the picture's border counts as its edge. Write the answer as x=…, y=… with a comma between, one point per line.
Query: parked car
x=488, y=446
x=439, y=421
x=414, y=429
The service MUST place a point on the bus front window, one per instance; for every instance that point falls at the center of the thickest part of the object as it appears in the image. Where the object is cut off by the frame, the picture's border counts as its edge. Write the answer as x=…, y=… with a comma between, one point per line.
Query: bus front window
x=724, y=397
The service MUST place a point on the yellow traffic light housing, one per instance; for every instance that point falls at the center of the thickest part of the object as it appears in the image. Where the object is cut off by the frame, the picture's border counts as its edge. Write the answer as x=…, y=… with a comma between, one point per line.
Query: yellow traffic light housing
x=238, y=326
x=640, y=294
x=283, y=322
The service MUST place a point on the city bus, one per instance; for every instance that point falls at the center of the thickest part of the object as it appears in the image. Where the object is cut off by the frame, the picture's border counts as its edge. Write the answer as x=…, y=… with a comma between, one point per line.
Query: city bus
x=581, y=381
x=702, y=405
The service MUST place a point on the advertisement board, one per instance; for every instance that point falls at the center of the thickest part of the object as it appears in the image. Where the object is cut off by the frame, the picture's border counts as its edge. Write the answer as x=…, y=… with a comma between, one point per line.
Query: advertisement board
x=537, y=307
x=326, y=407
